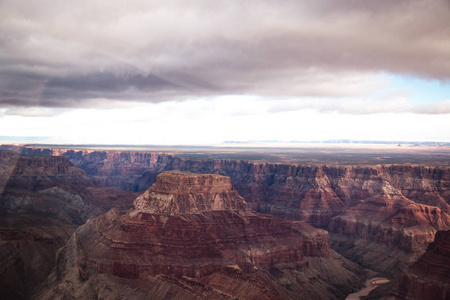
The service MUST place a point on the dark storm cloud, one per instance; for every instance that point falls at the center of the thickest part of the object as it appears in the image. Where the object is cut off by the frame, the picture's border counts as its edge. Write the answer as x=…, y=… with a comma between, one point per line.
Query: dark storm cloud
x=105, y=85
x=56, y=54
x=81, y=90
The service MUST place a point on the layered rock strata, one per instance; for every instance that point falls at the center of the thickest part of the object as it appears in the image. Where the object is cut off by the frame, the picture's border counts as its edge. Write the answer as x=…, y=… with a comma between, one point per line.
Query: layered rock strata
x=429, y=276
x=177, y=192
x=39, y=172
x=49, y=186
x=42, y=201
x=313, y=193
x=387, y=233
x=191, y=236
x=341, y=199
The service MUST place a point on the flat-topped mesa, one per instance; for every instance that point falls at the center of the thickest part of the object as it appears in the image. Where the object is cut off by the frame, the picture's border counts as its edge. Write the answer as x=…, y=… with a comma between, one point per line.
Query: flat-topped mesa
x=177, y=192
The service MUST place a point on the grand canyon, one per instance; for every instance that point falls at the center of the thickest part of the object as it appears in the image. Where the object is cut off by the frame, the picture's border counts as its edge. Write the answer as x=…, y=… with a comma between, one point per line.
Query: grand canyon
x=141, y=224
x=235, y=149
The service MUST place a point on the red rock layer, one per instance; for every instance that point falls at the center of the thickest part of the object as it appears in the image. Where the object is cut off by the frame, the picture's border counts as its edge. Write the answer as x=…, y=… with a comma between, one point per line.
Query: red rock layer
x=403, y=195
x=38, y=172
x=387, y=234
x=177, y=192
x=193, y=245
x=312, y=193
x=429, y=277
x=42, y=200
x=209, y=255
x=206, y=253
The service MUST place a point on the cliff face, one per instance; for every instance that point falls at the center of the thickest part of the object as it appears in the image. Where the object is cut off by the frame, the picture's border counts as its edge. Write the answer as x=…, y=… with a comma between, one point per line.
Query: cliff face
x=388, y=234
x=120, y=169
x=311, y=193
x=45, y=185
x=314, y=193
x=380, y=215
x=42, y=202
x=39, y=209
x=184, y=192
x=429, y=276
x=212, y=250
x=39, y=172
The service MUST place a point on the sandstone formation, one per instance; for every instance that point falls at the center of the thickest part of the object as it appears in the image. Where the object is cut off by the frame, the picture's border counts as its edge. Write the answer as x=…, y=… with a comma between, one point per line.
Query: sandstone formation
x=177, y=192
x=341, y=199
x=387, y=232
x=169, y=247
x=429, y=276
x=313, y=193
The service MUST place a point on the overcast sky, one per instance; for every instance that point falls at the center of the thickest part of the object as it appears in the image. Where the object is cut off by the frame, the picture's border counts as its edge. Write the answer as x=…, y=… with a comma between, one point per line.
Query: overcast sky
x=190, y=72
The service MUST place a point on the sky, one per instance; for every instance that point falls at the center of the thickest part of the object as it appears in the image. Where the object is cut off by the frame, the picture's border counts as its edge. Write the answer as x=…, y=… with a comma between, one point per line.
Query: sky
x=205, y=72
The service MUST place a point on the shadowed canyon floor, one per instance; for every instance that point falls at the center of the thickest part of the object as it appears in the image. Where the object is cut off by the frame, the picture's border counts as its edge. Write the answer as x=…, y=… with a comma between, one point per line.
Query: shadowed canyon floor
x=380, y=215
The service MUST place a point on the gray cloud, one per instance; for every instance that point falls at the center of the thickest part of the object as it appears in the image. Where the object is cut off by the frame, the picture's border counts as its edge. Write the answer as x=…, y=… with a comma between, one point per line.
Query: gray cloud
x=56, y=54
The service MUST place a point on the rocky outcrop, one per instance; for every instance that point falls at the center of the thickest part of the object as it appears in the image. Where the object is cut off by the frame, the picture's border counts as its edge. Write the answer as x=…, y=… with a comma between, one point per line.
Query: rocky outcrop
x=387, y=233
x=119, y=169
x=429, y=276
x=38, y=172
x=214, y=249
x=44, y=185
x=343, y=199
x=313, y=193
x=42, y=201
x=176, y=192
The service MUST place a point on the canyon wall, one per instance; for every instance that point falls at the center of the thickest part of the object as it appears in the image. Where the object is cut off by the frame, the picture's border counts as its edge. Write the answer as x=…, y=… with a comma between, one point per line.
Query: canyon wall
x=313, y=193
x=429, y=276
x=42, y=201
x=382, y=216
x=216, y=248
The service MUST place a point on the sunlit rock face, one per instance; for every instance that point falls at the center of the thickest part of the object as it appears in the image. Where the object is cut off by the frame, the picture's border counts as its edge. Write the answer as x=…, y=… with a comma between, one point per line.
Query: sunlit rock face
x=191, y=236
x=178, y=192
x=387, y=234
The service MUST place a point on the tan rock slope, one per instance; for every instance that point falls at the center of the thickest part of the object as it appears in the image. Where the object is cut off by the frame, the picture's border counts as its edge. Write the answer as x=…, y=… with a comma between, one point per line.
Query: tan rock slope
x=191, y=236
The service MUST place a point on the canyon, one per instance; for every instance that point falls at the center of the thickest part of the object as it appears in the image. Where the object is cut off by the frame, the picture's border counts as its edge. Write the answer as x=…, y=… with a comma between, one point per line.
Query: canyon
x=43, y=201
x=199, y=241
x=429, y=276
x=382, y=216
